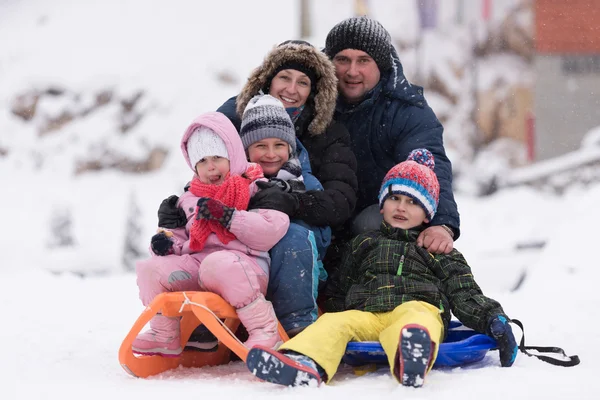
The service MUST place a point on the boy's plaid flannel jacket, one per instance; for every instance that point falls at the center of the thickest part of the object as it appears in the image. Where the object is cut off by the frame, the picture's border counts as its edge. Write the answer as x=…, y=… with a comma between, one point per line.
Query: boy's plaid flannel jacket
x=382, y=269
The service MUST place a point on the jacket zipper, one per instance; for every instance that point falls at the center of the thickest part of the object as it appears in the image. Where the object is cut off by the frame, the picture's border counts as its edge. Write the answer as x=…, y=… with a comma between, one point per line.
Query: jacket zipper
x=401, y=264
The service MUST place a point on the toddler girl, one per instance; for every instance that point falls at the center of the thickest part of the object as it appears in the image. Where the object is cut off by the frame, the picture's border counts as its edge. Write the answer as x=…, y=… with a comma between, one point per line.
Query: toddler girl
x=222, y=249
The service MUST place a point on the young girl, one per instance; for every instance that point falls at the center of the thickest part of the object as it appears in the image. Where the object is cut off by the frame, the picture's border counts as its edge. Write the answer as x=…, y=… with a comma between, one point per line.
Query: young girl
x=269, y=139
x=303, y=79
x=268, y=136
x=222, y=249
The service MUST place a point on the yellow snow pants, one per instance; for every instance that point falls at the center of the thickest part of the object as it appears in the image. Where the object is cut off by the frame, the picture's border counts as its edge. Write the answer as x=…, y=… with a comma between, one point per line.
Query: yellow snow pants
x=325, y=341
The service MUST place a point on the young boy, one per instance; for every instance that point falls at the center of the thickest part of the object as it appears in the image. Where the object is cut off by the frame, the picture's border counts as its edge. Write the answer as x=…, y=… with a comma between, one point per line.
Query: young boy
x=394, y=291
x=269, y=138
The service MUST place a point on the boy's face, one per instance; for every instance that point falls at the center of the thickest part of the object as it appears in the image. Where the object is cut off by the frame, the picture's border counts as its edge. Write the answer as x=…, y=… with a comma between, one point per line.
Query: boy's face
x=401, y=211
x=212, y=170
x=270, y=154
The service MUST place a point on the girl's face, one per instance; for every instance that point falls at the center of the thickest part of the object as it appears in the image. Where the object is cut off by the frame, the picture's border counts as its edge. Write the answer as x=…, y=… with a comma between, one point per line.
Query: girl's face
x=270, y=154
x=212, y=170
x=291, y=87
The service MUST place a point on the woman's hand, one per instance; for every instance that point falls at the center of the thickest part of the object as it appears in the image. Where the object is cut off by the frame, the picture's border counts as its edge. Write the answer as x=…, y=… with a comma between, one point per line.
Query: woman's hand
x=169, y=215
x=291, y=186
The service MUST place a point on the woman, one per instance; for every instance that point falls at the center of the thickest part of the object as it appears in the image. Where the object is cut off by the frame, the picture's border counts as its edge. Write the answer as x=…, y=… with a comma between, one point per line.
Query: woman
x=303, y=79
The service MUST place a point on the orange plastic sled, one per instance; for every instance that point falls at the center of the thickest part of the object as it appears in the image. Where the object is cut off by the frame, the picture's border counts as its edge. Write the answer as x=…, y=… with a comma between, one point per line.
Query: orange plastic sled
x=180, y=304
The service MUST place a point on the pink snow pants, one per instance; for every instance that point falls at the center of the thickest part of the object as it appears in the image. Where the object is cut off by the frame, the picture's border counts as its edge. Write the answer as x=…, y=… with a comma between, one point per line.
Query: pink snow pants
x=233, y=275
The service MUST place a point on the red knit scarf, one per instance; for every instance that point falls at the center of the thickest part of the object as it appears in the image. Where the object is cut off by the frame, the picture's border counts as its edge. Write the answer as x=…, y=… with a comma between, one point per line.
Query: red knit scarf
x=233, y=192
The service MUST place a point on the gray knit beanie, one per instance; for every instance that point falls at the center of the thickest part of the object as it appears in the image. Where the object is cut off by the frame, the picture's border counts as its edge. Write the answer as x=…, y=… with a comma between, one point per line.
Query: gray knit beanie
x=361, y=33
x=265, y=117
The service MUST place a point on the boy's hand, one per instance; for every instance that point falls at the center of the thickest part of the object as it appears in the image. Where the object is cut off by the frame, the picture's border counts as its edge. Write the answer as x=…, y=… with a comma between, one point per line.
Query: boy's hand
x=507, y=345
x=436, y=240
x=161, y=243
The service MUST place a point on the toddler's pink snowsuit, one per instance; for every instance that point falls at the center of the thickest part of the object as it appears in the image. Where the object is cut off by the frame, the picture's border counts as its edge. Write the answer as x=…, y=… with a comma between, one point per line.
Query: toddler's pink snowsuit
x=237, y=271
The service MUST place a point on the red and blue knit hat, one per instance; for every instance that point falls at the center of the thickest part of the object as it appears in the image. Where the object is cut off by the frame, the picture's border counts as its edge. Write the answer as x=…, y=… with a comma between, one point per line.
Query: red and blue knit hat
x=414, y=178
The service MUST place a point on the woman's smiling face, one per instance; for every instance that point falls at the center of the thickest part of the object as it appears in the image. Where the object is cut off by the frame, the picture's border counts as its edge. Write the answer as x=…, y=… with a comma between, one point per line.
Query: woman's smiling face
x=291, y=87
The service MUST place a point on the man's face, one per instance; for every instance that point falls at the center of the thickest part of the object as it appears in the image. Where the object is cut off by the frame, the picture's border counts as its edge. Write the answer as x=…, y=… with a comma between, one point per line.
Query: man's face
x=357, y=73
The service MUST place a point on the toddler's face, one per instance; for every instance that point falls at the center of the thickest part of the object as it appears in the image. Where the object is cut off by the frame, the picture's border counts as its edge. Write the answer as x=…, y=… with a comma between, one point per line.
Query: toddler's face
x=270, y=153
x=212, y=170
x=401, y=211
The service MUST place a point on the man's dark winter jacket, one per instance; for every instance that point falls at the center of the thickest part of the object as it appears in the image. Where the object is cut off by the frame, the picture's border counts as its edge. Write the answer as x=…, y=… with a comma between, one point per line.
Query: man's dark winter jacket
x=383, y=269
x=385, y=127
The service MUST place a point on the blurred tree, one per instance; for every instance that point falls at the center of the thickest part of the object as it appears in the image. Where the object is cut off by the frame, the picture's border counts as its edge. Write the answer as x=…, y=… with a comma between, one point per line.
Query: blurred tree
x=305, y=30
x=131, y=251
x=361, y=7
x=61, y=226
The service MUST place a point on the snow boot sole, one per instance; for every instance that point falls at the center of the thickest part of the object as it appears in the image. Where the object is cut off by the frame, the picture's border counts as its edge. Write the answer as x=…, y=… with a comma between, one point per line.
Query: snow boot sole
x=415, y=352
x=157, y=352
x=274, y=367
x=202, y=339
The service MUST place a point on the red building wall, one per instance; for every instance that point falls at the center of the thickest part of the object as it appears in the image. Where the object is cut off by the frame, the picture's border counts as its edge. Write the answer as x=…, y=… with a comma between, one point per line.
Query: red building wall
x=567, y=26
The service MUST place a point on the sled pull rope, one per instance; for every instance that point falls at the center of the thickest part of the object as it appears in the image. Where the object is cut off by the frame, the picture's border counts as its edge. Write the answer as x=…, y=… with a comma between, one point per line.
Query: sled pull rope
x=188, y=301
x=571, y=362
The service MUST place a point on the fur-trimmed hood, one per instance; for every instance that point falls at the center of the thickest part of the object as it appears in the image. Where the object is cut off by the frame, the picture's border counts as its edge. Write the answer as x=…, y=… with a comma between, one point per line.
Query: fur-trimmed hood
x=304, y=53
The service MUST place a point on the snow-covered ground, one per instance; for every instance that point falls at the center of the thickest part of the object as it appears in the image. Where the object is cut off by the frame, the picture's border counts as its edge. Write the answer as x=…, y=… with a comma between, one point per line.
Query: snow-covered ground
x=61, y=332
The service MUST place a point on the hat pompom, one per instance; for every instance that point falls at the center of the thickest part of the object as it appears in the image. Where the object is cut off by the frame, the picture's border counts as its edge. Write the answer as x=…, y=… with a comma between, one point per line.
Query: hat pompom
x=262, y=100
x=423, y=157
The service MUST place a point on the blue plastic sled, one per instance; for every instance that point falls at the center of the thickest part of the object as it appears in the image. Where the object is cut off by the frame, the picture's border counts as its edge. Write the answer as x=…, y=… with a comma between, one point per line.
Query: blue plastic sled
x=462, y=346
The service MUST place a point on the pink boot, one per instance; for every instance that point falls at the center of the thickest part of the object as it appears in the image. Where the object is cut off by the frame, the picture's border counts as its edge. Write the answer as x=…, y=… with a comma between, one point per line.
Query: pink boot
x=261, y=323
x=161, y=339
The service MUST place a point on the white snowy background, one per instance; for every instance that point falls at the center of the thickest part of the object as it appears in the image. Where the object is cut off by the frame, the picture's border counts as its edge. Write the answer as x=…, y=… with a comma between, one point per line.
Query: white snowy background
x=66, y=308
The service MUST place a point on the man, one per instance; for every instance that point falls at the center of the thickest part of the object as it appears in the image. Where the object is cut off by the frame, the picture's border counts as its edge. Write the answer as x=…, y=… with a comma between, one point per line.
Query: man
x=387, y=118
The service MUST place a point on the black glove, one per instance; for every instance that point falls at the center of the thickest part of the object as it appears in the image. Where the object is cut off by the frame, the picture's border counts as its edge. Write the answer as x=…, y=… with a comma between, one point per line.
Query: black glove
x=271, y=197
x=169, y=215
x=213, y=209
x=161, y=244
x=507, y=345
x=290, y=186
